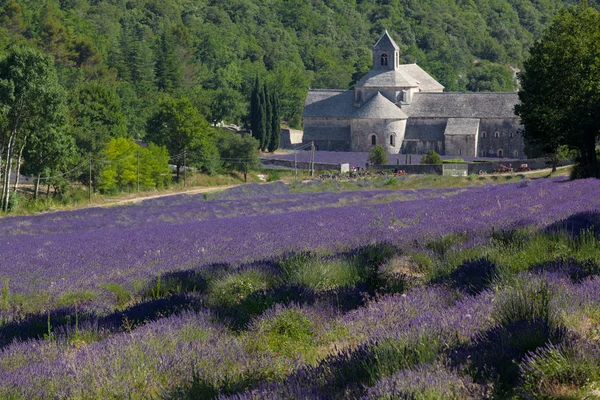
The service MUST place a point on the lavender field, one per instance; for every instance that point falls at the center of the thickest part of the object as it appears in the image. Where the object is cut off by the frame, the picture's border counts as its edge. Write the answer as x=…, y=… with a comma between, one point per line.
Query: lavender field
x=261, y=293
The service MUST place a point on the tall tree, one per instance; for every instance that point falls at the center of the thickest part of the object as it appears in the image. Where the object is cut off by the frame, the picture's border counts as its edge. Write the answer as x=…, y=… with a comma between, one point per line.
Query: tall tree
x=48, y=153
x=169, y=76
x=268, y=118
x=31, y=99
x=239, y=153
x=186, y=134
x=275, y=122
x=560, y=94
x=97, y=116
x=258, y=117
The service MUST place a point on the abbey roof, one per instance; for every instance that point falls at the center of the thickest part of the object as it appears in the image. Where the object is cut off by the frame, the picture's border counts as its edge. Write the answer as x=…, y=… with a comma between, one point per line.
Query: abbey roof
x=386, y=42
x=425, y=81
x=340, y=104
x=378, y=107
x=462, y=126
x=462, y=105
x=387, y=79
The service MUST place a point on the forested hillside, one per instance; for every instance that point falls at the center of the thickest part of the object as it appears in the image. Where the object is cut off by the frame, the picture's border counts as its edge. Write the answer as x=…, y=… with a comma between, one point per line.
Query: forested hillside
x=211, y=51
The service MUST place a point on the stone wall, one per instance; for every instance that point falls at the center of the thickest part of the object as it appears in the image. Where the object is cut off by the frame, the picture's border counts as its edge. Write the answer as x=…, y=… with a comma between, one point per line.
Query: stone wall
x=503, y=135
x=303, y=165
x=364, y=129
x=329, y=134
x=290, y=138
x=534, y=164
x=460, y=145
x=415, y=169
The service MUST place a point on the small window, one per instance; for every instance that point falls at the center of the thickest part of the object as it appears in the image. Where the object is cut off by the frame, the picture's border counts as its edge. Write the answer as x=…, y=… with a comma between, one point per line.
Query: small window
x=393, y=140
x=373, y=140
x=500, y=153
x=460, y=152
x=483, y=134
x=511, y=134
x=496, y=134
x=384, y=60
x=516, y=153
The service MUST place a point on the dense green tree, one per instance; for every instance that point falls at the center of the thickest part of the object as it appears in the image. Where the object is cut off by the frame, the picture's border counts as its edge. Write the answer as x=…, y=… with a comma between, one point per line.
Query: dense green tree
x=31, y=99
x=489, y=77
x=96, y=117
x=378, y=156
x=560, y=94
x=239, y=153
x=49, y=153
x=128, y=164
x=185, y=133
x=431, y=158
x=168, y=66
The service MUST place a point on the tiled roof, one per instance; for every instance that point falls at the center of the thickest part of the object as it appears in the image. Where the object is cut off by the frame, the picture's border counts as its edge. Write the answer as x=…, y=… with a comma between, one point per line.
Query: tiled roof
x=462, y=126
x=329, y=104
x=462, y=105
x=326, y=133
x=387, y=78
x=425, y=81
x=386, y=42
x=378, y=107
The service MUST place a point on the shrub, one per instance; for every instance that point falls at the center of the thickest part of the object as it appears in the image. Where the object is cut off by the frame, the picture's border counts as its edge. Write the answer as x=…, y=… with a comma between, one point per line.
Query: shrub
x=232, y=289
x=528, y=300
x=378, y=156
x=564, y=368
x=284, y=331
x=431, y=158
x=314, y=272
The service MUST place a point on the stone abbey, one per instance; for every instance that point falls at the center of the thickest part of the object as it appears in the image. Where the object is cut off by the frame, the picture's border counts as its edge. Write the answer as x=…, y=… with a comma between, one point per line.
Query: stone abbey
x=402, y=108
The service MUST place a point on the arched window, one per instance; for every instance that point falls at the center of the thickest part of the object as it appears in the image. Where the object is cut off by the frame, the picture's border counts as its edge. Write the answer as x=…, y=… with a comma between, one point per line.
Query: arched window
x=373, y=140
x=384, y=60
x=483, y=134
x=496, y=134
x=516, y=153
x=393, y=140
x=500, y=153
x=511, y=134
x=460, y=152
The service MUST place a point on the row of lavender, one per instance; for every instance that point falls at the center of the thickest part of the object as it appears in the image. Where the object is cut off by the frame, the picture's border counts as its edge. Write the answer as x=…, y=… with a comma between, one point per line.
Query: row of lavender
x=429, y=340
x=82, y=250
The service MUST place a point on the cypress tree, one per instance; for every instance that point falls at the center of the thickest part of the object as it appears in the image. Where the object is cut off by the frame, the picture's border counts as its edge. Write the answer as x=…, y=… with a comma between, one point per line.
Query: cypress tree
x=269, y=117
x=275, y=123
x=255, y=109
x=262, y=117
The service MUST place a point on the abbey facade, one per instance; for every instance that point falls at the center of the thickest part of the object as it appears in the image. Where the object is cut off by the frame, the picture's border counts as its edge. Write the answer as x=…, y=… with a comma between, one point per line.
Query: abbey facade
x=405, y=110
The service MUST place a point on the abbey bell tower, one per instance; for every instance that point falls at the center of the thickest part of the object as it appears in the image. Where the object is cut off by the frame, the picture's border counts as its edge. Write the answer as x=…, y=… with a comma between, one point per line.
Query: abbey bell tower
x=386, y=54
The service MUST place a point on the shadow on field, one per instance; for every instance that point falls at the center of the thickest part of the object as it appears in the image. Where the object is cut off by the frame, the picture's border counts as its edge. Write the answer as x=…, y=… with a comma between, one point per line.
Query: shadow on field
x=37, y=326
x=578, y=223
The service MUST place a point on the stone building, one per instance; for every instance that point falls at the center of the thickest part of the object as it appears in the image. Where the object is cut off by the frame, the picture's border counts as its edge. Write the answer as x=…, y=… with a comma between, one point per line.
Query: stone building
x=405, y=110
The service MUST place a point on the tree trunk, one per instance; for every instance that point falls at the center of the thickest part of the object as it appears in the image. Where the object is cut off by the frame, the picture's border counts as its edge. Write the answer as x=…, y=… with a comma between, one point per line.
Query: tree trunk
x=37, y=187
x=18, y=176
x=2, y=149
x=48, y=191
x=7, y=171
x=178, y=168
x=589, y=154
